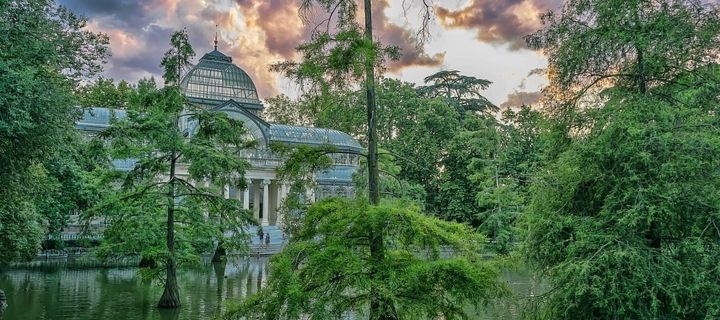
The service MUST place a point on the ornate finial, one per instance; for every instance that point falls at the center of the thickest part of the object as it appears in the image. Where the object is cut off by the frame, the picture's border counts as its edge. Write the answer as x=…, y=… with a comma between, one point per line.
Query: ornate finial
x=216, y=27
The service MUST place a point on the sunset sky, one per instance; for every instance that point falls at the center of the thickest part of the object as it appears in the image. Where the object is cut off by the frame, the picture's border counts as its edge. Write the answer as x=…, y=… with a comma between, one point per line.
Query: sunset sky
x=482, y=38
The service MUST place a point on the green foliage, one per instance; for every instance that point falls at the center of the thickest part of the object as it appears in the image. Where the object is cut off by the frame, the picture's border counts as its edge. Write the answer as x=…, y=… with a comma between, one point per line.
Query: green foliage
x=69, y=185
x=333, y=61
x=472, y=170
x=625, y=221
x=460, y=91
x=165, y=136
x=623, y=217
x=327, y=271
x=177, y=59
x=638, y=44
x=487, y=173
x=43, y=48
x=136, y=213
x=105, y=93
x=302, y=161
x=391, y=185
x=283, y=110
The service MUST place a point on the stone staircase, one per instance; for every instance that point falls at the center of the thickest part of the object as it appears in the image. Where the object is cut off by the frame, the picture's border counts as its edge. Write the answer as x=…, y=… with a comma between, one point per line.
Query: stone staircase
x=277, y=243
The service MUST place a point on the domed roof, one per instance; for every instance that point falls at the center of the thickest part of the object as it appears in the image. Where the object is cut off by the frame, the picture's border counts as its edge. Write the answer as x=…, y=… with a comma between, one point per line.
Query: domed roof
x=215, y=79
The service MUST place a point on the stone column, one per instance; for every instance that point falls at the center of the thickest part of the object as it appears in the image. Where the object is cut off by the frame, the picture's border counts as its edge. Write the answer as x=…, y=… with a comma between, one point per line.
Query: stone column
x=278, y=201
x=226, y=191
x=310, y=194
x=256, y=202
x=278, y=194
x=246, y=195
x=266, y=202
x=238, y=194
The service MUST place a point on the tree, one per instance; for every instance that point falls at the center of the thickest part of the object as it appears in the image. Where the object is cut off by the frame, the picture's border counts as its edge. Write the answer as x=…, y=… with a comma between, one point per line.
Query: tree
x=69, y=184
x=624, y=221
x=333, y=60
x=503, y=179
x=460, y=91
x=281, y=109
x=44, y=50
x=637, y=44
x=419, y=140
x=328, y=272
x=622, y=218
x=341, y=57
x=105, y=93
x=487, y=167
x=475, y=142
x=161, y=137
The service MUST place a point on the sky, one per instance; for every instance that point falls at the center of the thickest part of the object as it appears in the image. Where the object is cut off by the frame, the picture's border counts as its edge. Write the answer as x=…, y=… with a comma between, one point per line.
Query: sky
x=481, y=38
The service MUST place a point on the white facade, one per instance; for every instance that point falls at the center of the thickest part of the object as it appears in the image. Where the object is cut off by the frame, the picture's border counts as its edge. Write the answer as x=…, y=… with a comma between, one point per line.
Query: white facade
x=220, y=86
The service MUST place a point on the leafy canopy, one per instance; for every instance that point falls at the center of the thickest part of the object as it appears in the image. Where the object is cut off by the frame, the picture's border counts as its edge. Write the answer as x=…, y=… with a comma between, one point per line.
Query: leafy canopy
x=460, y=91
x=44, y=50
x=634, y=44
x=625, y=222
x=623, y=217
x=326, y=271
x=207, y=144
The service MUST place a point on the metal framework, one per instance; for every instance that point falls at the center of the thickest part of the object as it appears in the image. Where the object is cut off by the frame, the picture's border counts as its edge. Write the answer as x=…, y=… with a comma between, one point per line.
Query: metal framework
x=215, y=80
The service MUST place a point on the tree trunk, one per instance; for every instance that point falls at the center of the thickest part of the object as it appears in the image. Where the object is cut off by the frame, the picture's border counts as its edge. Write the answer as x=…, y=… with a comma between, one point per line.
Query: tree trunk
x=171, y=295
x=147, y=263
x=219, y=253
x=641, y=78
x=373, y=174
x=380, y=307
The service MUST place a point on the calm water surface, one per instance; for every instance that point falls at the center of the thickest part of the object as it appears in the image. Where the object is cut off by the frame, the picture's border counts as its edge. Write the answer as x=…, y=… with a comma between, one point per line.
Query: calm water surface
x=63, y=292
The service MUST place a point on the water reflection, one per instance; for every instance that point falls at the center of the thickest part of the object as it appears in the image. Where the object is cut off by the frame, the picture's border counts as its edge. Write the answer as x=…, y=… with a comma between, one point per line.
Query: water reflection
x=118, y=293
x=65, y=292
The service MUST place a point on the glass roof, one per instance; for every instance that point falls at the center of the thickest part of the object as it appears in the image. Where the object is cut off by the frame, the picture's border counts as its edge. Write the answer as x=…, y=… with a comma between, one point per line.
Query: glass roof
x=215, y=80
x=312, y=136
x=336, y=174
x=98, y=118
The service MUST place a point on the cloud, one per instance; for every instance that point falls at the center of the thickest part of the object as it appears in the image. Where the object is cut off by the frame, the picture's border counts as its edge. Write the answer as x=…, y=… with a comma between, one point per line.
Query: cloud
x=390, y=33
x=498, y=21
x=116, y=14
x=256, y=33
x=534, y=72
x=280, y=22
x=518, y=99
x=284, y=30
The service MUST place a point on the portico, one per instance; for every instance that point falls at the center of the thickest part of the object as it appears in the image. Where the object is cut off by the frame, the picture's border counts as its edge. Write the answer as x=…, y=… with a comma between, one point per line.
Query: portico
x=263, y=196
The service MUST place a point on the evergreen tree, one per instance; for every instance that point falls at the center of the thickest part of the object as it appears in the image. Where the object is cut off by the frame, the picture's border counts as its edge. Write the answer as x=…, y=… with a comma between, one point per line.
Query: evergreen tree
x=163, y=136
x=460, y=91
x=622, y=218
x=327, y=272
x=338, y=58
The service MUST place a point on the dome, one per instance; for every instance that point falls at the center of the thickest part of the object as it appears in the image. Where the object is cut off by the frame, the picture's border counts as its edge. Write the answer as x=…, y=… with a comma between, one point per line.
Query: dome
x=215, y=79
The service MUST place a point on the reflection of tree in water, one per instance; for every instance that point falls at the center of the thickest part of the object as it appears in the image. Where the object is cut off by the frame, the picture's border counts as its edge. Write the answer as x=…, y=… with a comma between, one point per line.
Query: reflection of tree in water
x=219, y=268
x=3, y=303
x=118, y=293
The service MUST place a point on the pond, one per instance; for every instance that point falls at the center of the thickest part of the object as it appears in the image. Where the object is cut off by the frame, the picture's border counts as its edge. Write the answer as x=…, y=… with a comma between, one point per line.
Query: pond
x=46, y=291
